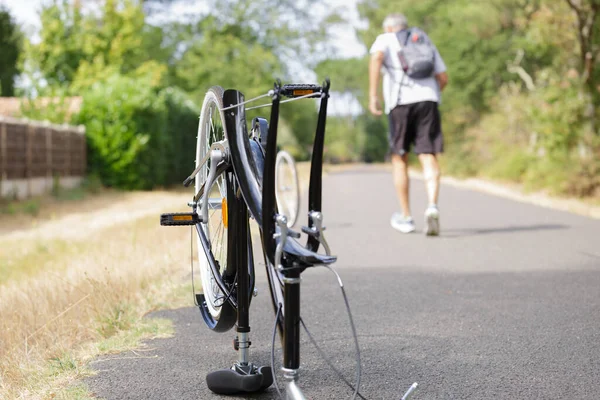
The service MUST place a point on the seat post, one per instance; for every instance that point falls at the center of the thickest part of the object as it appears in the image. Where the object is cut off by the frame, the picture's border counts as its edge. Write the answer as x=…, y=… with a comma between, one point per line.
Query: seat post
x=291, y=331
x=238, y=236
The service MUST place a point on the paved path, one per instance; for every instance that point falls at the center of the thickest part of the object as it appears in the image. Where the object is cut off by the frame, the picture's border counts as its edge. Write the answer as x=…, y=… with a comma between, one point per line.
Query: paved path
x=505, y=304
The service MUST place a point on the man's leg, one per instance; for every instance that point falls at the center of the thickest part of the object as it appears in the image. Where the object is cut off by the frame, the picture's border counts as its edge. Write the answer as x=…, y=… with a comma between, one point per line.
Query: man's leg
x=429, y=143
x=431, y=173
x=401, y=182
x=399, y=146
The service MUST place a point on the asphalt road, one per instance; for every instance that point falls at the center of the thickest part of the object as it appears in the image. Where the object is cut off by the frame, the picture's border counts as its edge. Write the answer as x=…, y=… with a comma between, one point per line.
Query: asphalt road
x=505, y=304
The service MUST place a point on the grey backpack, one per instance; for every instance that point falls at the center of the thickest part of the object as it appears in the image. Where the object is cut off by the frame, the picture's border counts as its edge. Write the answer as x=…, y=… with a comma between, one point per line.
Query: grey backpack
x=417, y=54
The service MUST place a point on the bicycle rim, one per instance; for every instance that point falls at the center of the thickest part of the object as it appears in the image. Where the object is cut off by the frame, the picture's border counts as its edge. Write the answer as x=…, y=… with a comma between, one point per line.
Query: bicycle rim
x=287, y=191
x=211, y=129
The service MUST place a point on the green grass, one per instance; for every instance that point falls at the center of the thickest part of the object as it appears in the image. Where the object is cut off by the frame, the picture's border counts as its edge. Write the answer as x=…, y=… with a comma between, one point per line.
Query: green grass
x=132, y=337
x=63, y=374
x=29, y=207
x=78, y=391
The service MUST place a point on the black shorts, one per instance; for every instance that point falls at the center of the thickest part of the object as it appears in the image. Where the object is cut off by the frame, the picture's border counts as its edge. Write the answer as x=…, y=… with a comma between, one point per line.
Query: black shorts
x=416, y=124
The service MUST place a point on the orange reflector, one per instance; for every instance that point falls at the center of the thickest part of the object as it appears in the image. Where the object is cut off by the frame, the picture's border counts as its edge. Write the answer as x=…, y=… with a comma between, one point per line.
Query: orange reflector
x=182, y=217
x=302, y=92
x=224, y=211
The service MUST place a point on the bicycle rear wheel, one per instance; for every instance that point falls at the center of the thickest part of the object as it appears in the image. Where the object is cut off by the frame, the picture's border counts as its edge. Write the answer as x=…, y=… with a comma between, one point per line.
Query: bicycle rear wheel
x=218, y=313
x=287, y=190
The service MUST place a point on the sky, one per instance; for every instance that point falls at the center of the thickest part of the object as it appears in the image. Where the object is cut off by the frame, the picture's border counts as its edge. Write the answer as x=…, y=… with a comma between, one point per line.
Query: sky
x=344, y=39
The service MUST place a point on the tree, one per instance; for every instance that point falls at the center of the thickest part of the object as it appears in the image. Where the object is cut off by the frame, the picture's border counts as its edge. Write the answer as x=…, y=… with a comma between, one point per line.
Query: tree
x=78, y=49
x=10, y=43
x=588, y=34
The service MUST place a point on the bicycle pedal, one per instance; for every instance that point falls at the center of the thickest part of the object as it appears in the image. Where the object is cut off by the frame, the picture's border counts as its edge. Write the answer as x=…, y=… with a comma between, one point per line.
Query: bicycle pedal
x=179, y=219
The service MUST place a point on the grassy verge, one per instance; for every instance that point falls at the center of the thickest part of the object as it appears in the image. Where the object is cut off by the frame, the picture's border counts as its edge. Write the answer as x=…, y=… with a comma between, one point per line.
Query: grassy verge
x=81, y=292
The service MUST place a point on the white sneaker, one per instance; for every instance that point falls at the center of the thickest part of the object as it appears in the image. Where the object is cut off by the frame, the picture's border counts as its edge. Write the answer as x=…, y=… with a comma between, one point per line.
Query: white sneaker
x=401, y=223
x=432, y=221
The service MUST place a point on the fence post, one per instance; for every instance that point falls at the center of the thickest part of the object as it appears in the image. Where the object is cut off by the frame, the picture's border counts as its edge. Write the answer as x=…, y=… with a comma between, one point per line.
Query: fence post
x=48, y=133
x=28, y=156
x=69, y=150
x=83, y=160
x=2, y=154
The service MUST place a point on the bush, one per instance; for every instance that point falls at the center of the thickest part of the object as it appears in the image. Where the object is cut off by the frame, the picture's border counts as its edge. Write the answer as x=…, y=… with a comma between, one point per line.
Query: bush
x=138, y=137
x=343, y=140
x=182, y=128
x=509, y=164
x=375, y=141
x=125, y=122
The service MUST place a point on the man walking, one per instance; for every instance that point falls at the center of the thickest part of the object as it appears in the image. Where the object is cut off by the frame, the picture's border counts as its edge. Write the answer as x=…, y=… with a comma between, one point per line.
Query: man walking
x=411, y=94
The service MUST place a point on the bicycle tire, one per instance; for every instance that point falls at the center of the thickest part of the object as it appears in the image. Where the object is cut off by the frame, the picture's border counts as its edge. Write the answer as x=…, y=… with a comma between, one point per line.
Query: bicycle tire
x=287, y=188
x=219, y=315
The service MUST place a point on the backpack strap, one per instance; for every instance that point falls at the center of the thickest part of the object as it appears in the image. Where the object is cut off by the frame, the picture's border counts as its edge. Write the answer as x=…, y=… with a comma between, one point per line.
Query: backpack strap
x=408, y=32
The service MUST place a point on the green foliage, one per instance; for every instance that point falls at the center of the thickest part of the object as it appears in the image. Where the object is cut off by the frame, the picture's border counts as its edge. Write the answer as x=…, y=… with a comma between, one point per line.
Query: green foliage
x=375, y=145
x=120, y=317
x=557, y=112
x=224, y=56
x=55, y=111
x=76, y=50
x=182, y=126
x=141, y=138
x=459, y=161
x=347, y=76
x=343, y=140
x=30, y=207
x=126, y=122
x=11, y=44
x=511, y=164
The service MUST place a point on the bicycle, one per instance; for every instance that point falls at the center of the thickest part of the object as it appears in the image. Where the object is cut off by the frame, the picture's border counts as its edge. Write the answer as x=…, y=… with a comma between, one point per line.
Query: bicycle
x=234, y=181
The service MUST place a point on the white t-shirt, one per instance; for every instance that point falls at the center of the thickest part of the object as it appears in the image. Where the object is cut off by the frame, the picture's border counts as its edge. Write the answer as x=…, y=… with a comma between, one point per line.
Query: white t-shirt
x=413, y=90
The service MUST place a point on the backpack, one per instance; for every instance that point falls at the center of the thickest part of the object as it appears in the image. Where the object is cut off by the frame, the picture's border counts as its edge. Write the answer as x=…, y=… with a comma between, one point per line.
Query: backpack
x=417, y=54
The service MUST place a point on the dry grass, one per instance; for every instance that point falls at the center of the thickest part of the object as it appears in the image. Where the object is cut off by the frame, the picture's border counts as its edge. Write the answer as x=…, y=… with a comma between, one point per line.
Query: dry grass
x=80, y=292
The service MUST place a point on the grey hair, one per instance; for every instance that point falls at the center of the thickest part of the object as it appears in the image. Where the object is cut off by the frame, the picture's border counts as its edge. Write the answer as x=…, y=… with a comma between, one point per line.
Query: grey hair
x=395, y=21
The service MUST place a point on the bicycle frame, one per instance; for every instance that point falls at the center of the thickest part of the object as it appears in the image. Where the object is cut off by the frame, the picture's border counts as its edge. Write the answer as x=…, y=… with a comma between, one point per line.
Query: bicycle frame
x=262, y=206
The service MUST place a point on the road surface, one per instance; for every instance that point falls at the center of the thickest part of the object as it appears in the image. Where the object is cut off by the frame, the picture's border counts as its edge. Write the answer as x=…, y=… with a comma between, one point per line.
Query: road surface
x=505, y=304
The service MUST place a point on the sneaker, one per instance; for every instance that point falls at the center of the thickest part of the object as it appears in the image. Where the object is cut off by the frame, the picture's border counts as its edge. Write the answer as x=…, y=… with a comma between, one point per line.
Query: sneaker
x=432, y=221
x=402, y=224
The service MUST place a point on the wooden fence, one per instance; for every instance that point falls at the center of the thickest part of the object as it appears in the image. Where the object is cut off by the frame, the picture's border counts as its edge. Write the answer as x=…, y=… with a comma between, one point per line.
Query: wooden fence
x=35, y=155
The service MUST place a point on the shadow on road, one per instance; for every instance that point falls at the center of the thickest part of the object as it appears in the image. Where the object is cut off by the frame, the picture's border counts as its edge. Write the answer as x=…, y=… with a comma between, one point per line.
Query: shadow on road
x=450, y=233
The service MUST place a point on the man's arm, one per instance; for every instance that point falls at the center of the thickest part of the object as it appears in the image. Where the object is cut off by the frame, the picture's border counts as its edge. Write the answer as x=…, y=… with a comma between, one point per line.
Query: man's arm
x=442, y=79
x=441, y=76
x=374, y=71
